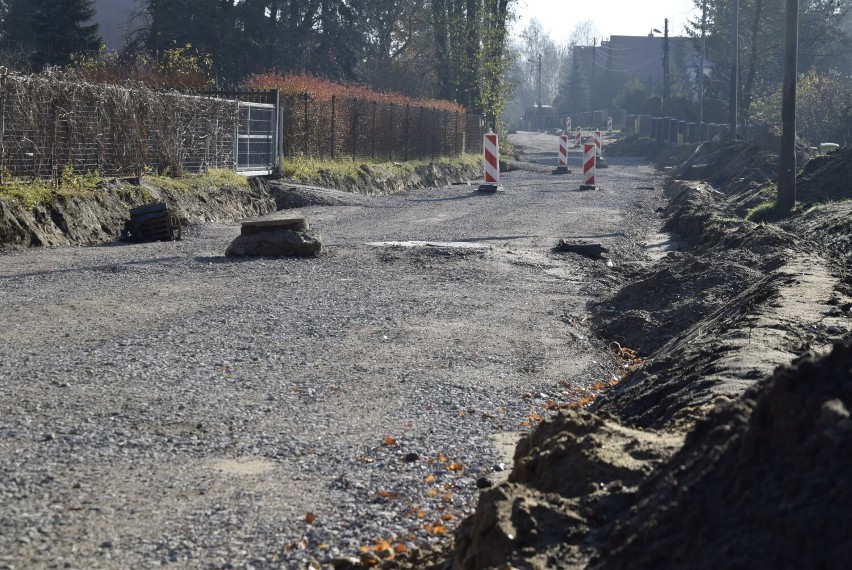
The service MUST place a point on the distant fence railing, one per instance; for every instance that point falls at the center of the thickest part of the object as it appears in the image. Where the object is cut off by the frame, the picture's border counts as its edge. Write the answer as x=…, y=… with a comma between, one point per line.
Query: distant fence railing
x=673, y=130
x=663, y=129
x=49, y=123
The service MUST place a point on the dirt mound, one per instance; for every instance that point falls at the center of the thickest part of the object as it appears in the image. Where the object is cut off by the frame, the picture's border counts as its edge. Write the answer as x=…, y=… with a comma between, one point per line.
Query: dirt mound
x=762, y=483
x=740, y=166
x=827, y=177
x=763, y=478
x=635, y=145
x=570, y=474
x=682, y=290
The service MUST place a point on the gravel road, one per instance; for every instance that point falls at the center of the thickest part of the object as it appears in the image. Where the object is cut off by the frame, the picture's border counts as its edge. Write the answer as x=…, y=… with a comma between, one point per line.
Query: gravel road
x=163, y=404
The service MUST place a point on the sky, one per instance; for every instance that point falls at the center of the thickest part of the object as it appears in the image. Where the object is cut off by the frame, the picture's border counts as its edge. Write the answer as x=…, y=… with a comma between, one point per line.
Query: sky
x=611, y=17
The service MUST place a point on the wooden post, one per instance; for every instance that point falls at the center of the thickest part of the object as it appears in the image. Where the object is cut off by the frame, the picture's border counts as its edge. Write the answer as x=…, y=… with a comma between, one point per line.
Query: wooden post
x=420, y=135
x=391, y=140
x=354, y=134
x=456, y=136
x=307, y=128
x=333, y=127
x=407, y=132
x=373, y=134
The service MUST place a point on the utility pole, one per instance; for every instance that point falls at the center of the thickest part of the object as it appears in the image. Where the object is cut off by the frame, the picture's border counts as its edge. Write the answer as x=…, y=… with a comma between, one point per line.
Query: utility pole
x=786, y=199
x=666, y=79
x=594, y=68
x=701, y=71
x=735, y=68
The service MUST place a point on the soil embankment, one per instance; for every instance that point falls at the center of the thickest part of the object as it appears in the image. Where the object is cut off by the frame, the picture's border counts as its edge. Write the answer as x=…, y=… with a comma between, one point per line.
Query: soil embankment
x=736, y=332
x=97, y=217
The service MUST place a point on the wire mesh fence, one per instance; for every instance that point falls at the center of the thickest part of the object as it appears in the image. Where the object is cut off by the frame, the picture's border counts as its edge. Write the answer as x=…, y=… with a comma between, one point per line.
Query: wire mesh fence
x=48, y=124
x=363, y=129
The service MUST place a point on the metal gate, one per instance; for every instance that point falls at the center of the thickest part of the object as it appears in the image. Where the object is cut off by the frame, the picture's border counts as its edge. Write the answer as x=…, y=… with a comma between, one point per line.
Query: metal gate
x=256, y=138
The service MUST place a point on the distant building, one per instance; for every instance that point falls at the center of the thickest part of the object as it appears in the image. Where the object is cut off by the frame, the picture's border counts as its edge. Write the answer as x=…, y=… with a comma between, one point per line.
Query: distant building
x=615, y=61
x=113, y=17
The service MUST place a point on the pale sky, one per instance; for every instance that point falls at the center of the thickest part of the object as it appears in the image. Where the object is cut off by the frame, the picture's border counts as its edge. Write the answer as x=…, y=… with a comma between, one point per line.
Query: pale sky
x=611, y=17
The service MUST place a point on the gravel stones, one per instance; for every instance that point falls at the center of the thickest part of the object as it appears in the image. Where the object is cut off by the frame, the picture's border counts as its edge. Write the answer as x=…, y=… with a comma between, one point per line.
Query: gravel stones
x=201, y=405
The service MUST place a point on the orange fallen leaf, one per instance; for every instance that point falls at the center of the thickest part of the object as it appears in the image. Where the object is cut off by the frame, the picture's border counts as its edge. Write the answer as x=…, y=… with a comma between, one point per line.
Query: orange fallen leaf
x=310, y=518
x=381, y=545
x=429, y=478
x=421, y=515
x=432, y=492
x=447, y=498
x=442, y=458
x=389, y=440
x=446, y=517
x=439, y=530
x=455, y=466
x=363, y=549
x=400, y=548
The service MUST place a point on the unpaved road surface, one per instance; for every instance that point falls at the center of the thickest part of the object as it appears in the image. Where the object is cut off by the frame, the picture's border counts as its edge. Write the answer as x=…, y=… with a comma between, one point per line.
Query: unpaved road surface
x=162, y=404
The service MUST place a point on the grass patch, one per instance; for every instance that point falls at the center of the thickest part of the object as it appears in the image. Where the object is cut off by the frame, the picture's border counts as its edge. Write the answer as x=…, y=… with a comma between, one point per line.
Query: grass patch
x=30, y=193
x=213, y=178
x=309, y=169
x=768, y=213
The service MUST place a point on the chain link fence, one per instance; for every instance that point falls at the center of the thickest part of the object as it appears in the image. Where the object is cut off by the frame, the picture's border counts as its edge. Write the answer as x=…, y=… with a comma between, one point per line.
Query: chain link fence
x=49, y=123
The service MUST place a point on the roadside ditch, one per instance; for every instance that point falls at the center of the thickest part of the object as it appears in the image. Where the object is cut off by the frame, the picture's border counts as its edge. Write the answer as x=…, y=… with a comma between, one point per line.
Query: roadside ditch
x=730, y=445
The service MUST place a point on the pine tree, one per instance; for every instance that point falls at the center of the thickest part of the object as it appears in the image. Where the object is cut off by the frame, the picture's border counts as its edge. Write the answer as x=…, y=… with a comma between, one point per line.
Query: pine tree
x=61, y=29
x=16, y=34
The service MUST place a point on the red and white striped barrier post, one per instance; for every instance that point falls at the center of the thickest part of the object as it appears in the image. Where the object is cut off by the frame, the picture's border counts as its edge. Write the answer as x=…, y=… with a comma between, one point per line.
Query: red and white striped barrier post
x=588, y=167
x=491, y=162
x=578, y=138
x=562, y=157
x=599, y=162
x=609, y=124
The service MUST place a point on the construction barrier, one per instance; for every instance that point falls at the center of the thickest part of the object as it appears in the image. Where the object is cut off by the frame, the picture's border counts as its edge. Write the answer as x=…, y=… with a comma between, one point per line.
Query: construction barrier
x=492, y=159
x=609, y=124
x=578, y=138
x=567, y=124
x=598, y=142
x=562, y=157
x=563, y=151
x=589, y=165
